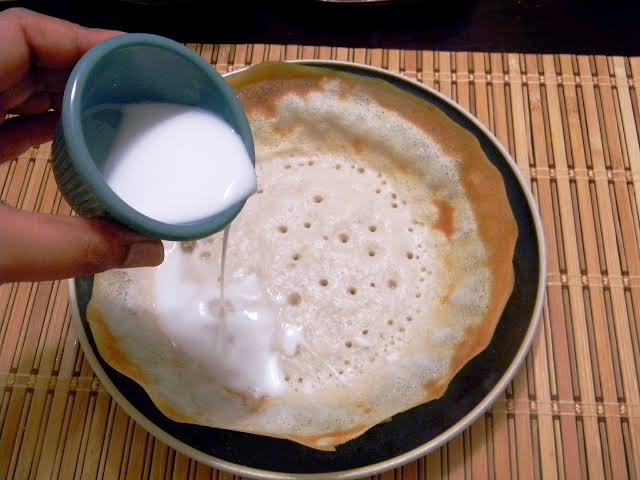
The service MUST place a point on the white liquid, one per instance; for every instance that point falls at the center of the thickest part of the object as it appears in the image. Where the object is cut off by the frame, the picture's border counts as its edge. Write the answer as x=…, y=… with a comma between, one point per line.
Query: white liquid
x=241, y=346
x=223, y=260
x=176, y=163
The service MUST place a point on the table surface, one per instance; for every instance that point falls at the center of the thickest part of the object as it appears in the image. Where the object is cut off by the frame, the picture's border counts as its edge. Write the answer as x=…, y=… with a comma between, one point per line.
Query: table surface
x=572, y=124
x=540, y=26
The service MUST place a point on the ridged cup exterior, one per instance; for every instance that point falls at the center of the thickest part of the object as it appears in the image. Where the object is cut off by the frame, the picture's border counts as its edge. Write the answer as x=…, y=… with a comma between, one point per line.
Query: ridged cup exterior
x=74, y=191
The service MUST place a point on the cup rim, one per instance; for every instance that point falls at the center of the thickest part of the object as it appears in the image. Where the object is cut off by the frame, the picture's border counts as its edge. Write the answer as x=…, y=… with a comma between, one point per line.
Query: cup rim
x=91, y=176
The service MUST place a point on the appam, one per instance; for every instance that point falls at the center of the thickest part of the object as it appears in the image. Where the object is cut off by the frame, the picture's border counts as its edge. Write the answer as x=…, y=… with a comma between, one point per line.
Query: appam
x=469, y=267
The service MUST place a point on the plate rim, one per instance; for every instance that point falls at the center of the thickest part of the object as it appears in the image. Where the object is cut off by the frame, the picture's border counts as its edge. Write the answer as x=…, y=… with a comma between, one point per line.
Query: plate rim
x=405, y=457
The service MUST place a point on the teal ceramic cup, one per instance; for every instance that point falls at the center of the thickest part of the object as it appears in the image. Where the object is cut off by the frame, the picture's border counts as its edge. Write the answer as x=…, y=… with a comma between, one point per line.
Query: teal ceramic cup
x=130, y=69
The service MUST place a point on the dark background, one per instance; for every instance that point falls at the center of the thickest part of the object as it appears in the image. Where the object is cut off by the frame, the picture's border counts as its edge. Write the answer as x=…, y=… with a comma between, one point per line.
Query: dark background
x=544, y=26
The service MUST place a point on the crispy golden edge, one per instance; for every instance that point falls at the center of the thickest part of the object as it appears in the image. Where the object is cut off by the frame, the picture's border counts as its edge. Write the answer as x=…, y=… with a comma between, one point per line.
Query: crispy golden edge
x=109, y=348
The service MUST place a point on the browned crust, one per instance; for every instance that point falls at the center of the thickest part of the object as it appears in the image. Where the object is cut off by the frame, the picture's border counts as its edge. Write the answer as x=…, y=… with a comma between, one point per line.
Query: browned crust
x=111, y=351
x=328, y=441
x=445, y=221
x=108, y=346
x=499, y=231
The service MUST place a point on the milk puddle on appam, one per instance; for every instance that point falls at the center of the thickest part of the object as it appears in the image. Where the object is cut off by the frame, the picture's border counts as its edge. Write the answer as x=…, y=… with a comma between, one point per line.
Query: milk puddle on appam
x=231, y=327
x=373, y=262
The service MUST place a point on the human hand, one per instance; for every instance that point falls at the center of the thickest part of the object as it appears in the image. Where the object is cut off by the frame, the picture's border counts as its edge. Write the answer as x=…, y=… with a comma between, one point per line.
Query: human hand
x=37, y=54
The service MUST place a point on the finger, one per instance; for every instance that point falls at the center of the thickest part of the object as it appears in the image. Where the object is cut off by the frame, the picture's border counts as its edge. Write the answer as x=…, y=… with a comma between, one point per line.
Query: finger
x=56, y=101
x=18, y=93
x=38, y=81
x=37, y=247
x=54, y=43
x=18, y=134
x=38, y=103
x=48, y=80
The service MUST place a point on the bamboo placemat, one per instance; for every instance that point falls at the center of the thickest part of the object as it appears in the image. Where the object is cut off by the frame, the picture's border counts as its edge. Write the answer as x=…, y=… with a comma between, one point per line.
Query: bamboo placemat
x=573, y=411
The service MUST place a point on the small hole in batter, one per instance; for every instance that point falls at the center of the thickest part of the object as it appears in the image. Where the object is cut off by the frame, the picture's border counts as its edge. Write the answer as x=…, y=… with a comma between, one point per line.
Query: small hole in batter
x=338, y=166
x=296, y=256
x=352, y=290
x=287, y=378
x=409, y=255
x=307, y=225
x=205, y=255
x=294, y=299
x=409, y=318
x=299, y=379
x=392, y=284
x=344, y=238
x=377, y=190
x=318, y=198
x=361, y=170
x=372, y=228
x=310, y=163
x=389, y=322
x=394, y=196
x=348, y=344
x=394, y=205
x=283, y=229
x=324, y=282
x=410, y=229
x=287, y=166
x=402, y=329
x=188, y=246
x=259, y=190
x=372, y=253
x=418, y=295
x=365, y=331
x=373, y=284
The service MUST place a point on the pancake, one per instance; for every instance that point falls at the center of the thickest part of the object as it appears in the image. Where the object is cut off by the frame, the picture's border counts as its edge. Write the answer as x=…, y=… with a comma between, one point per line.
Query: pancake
x=382, y=241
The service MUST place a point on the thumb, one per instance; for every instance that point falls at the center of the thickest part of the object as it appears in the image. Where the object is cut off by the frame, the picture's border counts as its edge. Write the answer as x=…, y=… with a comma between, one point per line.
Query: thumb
x=36, y=247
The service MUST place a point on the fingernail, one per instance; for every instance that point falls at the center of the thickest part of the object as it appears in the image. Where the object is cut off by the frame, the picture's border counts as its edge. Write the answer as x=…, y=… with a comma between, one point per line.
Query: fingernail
x=144, y=254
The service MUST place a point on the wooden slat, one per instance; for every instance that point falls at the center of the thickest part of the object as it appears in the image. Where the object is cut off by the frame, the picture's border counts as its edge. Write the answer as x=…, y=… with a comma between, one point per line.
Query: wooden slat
x=562, y=386
x=572, y=124
x=576, y=305
x=501, y=453
x=597, y=304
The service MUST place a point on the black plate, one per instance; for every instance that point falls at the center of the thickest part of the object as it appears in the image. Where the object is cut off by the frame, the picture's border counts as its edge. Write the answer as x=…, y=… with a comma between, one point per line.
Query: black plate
x=408, y=434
